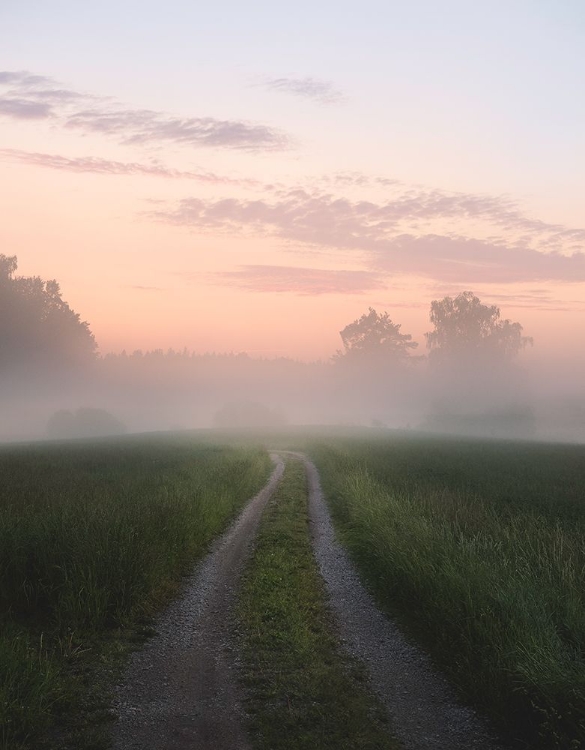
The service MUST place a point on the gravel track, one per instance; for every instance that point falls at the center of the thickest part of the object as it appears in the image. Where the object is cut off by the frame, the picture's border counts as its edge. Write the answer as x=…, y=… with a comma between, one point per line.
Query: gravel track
x=180, y=690
x=423, y=710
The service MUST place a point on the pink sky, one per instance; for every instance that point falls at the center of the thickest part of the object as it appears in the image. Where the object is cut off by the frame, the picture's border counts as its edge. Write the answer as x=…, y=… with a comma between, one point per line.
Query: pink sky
x=245, y=201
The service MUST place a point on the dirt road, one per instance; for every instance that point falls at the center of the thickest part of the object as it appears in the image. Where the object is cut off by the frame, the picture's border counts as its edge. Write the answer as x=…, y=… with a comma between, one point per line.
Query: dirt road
x=180, y=690
x=423, y=711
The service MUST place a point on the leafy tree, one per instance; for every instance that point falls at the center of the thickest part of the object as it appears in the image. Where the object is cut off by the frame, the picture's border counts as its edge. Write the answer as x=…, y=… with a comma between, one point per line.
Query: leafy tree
x=375, y=338
x=465, y=329
x=475, y=388
x=37, y=327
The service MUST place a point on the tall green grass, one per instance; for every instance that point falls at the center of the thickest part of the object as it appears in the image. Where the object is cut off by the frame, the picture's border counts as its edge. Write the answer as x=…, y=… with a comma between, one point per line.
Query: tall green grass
x=479, y=548
x=93, y=537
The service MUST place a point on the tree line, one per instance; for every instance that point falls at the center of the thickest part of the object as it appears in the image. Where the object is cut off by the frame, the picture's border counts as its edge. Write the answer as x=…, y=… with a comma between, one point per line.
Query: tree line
x=37, y=327
x=49, y=359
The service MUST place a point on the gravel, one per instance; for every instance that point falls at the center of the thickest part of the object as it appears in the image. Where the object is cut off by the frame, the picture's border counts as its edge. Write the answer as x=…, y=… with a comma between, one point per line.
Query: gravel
x=423, y=710
x=180, y=690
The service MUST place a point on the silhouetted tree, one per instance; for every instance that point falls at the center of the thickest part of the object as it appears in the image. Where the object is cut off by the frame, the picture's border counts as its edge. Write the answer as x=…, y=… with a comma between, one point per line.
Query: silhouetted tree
x=465, y=329
x=476, y=389
x=37, y=327
x=371, y=377
x=375, y=338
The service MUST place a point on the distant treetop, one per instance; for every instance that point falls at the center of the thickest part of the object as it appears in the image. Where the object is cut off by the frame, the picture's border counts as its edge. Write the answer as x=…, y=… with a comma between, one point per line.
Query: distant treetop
x=37, y=327
x=375, y=338
x=464, y=328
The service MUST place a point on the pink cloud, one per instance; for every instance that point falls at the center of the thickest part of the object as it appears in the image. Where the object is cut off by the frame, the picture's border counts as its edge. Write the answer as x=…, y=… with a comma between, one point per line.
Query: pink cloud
x=322, y=92
x=144, y=126
x=519, y=251
x=96, y=165
x=29, y=96
x=24, y=109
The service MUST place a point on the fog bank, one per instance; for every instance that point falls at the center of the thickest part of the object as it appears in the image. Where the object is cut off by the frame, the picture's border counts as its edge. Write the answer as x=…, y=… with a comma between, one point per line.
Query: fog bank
x=169, y=391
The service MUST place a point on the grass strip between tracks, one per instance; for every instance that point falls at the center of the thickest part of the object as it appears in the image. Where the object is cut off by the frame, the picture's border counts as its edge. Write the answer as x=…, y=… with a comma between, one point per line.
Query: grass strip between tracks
x=303, y=692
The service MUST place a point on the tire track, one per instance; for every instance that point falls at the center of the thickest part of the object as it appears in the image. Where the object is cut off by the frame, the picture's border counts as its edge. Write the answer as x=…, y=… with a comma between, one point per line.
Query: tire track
x=423, y=710
x=180, y=690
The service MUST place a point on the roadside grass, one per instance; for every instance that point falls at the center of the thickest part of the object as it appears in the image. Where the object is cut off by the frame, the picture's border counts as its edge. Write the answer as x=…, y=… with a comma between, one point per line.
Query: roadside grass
x=303, y=692
x=479, y=549
x=94, y=538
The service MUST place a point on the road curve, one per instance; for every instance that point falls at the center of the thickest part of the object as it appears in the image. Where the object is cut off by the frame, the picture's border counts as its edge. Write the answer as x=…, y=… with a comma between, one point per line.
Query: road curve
x=423, y=710
x=180, y=690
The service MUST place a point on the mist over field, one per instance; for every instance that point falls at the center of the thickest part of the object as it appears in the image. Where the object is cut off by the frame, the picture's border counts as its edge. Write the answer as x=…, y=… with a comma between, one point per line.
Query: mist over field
x=468, y=378
x=155, y=393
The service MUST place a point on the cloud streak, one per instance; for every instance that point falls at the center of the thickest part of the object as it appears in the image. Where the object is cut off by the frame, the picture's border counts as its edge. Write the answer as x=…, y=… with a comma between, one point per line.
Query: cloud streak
x=97, y=165
x=23, y=79
x=145, y=126
x=27, y=96
x=322, y=92
x=301, y=281
x=393, y=237
x=467, y=260
x=24, y=109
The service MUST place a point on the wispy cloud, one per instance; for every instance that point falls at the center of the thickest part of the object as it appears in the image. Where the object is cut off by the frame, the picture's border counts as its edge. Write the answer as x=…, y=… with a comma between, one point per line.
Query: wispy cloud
x=23, y=79
x=318, y=217
x=468, y=260
x=132, y=126
x=27, y=96
x=394, y=237
x=96, y=165
x=322, y=92
x=357, y=179
x=24, y=109
x=530, y=298
x=537, y=300
x=302, y=281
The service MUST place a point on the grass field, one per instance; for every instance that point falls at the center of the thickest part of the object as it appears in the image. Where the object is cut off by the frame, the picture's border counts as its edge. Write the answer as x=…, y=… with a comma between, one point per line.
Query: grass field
x=479, y=549
x=94, y=537
x=476, y=547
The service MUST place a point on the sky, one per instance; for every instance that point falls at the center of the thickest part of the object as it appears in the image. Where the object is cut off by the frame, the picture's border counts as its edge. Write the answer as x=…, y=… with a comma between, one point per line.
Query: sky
x=254, y=176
